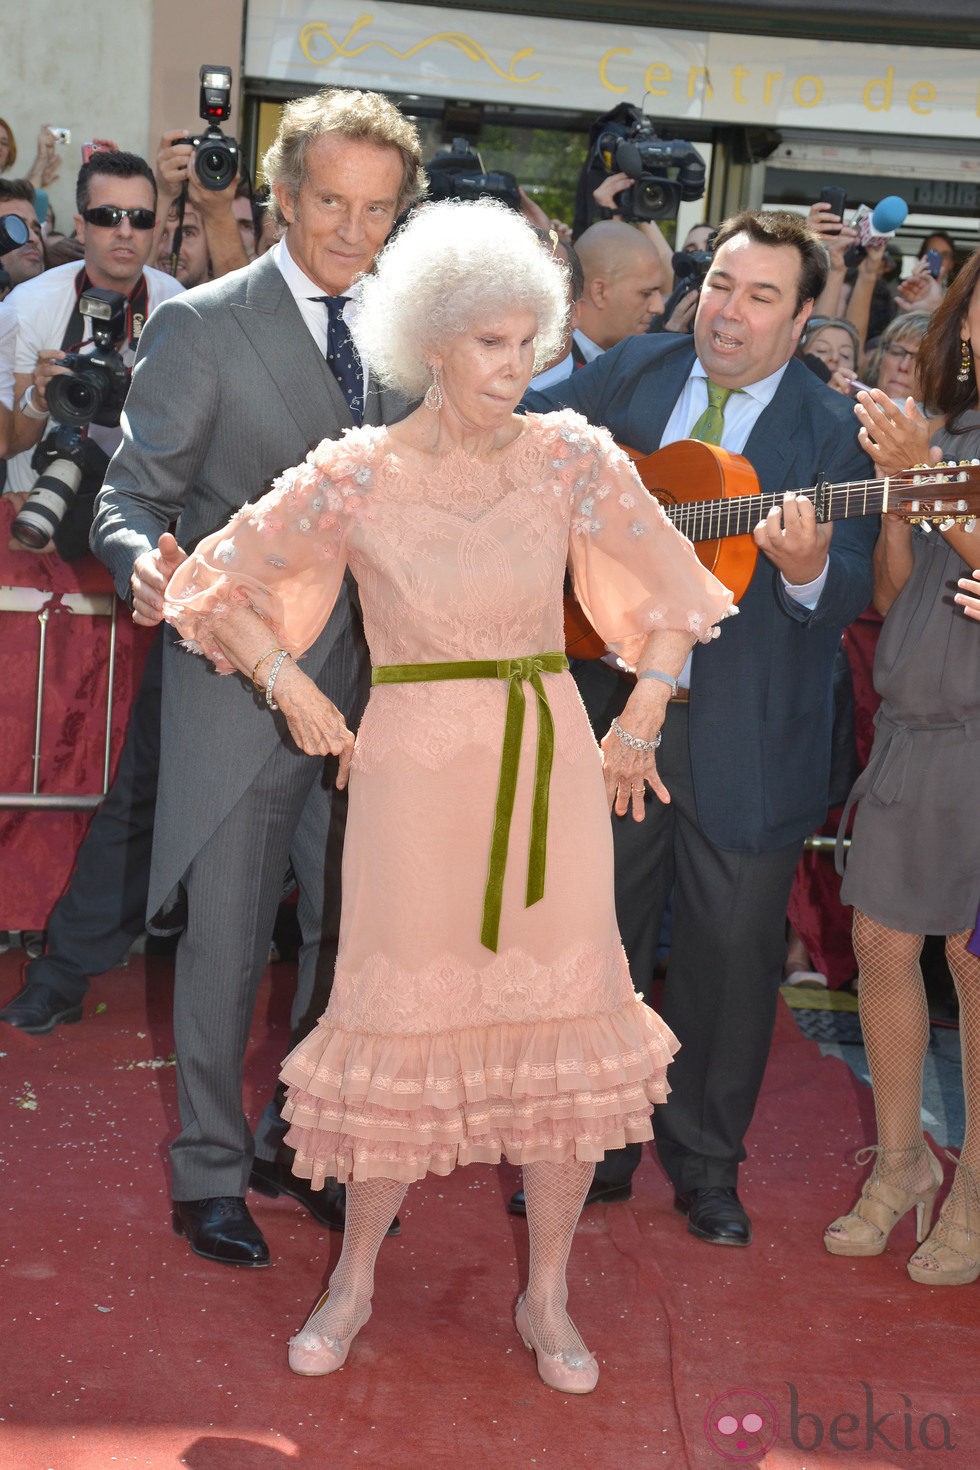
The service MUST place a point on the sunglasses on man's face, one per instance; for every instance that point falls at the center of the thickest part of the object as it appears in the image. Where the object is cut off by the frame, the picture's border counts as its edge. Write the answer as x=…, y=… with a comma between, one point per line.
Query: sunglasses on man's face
x=110, y=216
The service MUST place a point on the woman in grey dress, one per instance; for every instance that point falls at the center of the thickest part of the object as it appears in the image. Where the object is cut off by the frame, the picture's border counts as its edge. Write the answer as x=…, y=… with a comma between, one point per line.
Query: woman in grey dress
x=914, y=864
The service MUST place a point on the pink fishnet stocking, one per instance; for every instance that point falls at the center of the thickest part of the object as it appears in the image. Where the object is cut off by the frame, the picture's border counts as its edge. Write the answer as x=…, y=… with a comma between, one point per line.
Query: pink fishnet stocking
x=372, y=1204
x=554, y=1194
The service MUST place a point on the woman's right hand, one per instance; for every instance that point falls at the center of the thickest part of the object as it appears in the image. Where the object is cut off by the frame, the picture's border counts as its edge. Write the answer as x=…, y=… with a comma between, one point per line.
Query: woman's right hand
x=895, y=438
x=969, y=595
x=316, y=725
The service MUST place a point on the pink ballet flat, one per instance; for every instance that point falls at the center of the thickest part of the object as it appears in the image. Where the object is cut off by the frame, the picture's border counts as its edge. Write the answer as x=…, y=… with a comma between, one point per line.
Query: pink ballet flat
x=312, y=1354
x=574, y=1370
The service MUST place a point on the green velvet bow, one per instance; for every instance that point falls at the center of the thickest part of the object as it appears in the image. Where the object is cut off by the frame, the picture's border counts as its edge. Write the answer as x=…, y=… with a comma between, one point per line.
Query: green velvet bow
x=517, y=671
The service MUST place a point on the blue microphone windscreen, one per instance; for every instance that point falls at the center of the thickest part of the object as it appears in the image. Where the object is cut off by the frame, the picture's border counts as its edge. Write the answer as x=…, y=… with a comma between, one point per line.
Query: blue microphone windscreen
x=889, y=215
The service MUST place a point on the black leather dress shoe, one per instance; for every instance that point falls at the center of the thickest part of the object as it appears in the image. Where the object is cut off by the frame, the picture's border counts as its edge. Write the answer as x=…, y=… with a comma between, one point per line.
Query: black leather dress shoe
x=326, y=1205
x=599, y=1194
x=715, y=1214
x=221, y=1229
x=37, y=1009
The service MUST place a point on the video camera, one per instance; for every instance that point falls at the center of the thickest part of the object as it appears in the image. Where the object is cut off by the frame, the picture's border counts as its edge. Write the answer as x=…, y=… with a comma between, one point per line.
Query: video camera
x=93, y=391
x=215, y=154
x=457, y=172
x=664, y=172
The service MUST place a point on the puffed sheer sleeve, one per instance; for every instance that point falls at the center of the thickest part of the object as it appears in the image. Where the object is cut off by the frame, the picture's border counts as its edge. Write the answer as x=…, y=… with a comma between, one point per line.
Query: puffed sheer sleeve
x=632, y=571
x=285, y=555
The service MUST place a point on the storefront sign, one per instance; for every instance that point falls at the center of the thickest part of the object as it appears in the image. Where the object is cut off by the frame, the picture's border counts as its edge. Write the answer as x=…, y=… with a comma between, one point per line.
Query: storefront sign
x=477, y=55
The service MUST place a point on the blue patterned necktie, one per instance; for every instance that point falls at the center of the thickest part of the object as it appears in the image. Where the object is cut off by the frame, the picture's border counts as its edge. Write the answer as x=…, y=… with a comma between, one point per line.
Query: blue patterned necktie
x=342, y=358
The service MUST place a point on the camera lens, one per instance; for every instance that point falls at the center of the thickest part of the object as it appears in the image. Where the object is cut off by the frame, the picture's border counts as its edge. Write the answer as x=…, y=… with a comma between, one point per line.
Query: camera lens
x=76, y=398
x=44, y=509
x=655, y=198
x=215, y=166
x=13, y=233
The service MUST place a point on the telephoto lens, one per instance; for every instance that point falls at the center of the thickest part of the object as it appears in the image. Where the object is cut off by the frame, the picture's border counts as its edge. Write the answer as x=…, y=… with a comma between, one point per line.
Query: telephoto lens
x=60, y=458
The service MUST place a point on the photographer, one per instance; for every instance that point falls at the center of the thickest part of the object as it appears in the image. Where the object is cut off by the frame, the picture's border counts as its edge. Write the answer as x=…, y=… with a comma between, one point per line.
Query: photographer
x=26, y=261
x=214, y=207
x=678, y=307
x=116, y=200
x=191, y=258
x=21, y=263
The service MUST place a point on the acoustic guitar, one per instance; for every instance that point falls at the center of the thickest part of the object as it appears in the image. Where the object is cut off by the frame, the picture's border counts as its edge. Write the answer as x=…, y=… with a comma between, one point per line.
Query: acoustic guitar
x=713, y=498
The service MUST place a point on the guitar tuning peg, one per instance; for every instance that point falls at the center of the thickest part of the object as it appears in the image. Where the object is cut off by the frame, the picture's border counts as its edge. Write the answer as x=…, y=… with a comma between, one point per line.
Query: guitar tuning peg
x=970, y=526
x=947, y=524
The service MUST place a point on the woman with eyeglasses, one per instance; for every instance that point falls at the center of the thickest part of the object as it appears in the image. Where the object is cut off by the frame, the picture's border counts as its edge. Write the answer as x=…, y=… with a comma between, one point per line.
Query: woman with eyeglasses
x=914, y=863
x=893, y=364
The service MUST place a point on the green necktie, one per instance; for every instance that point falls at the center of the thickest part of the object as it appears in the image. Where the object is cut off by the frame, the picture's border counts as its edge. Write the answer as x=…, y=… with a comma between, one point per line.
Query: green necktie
x=711, y=425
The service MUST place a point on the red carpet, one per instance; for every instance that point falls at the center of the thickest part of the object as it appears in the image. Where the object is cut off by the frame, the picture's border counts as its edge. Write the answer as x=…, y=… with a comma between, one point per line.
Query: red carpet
x=120, y=1348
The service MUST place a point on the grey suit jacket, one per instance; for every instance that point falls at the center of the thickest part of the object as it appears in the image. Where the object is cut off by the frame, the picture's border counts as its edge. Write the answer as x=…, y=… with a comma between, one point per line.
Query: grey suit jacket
x=228, y=390
x=761, y=698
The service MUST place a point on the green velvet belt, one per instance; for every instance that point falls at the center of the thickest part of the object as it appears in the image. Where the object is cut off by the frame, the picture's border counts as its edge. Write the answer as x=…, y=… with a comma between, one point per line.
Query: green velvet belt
x=516, y=671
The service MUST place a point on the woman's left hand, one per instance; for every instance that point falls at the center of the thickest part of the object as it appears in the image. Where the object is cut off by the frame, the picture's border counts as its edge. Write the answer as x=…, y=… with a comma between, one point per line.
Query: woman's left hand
x=627, y=773
x=314, y=722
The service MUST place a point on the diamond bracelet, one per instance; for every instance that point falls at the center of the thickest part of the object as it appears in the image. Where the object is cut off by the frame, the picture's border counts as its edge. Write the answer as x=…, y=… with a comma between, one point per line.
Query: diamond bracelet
x=633, y=741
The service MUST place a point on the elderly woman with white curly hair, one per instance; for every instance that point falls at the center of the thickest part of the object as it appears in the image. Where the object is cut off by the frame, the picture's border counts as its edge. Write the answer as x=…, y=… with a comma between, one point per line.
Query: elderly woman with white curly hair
x=482, y=1007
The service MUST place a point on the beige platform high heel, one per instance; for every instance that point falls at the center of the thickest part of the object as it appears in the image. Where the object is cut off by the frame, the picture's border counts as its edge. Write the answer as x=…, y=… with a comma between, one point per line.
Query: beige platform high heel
x=951, y=1255
x=865, y=1230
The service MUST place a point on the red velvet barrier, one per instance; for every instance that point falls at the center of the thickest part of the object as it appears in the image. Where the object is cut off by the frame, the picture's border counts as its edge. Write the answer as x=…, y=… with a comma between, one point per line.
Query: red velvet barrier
x=815, y=909
x=38, y=846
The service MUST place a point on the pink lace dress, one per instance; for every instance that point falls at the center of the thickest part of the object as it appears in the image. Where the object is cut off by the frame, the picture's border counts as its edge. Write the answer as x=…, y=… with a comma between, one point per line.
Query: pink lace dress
x=434, y=1050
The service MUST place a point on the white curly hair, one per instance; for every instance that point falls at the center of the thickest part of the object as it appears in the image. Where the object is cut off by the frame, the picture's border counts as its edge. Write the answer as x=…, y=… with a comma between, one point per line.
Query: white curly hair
x=453, y=264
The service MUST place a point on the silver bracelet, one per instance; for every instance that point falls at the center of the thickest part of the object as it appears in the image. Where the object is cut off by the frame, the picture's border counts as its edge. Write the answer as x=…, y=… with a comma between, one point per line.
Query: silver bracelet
x=633, y=741
x=29, y=408
x=664, y=678
x=277, y=664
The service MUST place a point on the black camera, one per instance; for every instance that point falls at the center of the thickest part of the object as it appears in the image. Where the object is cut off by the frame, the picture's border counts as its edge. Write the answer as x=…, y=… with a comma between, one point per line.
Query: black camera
x=664, y=172
x=94, y=390
x=215, y=154
x=457, y=172
x=690, y=269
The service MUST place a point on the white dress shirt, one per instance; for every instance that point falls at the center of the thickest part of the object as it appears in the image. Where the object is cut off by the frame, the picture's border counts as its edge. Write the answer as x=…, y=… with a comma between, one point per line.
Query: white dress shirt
x=306, y=293
x=741, y=415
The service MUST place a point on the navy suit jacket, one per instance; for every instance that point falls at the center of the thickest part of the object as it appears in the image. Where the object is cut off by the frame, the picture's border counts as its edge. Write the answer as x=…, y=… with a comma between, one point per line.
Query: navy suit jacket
x=761, y=707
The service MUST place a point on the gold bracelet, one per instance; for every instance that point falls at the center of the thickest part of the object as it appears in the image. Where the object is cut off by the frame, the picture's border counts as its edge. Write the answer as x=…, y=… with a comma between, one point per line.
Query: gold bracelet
x=268, y=654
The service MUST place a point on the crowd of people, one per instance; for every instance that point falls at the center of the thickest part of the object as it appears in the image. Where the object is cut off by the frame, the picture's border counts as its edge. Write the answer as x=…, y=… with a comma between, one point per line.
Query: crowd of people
x=384, y=714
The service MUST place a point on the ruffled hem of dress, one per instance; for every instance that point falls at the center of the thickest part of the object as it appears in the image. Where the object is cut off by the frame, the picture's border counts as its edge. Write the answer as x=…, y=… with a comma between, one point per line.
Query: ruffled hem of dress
x=364, y=1106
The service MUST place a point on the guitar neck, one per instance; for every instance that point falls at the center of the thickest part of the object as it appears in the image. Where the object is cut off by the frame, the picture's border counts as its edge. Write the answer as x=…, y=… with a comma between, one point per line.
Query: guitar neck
x=711, y=520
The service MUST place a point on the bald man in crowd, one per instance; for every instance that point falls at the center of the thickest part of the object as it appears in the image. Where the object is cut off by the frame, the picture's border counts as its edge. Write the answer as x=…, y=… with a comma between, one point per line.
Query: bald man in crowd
x=624, y=282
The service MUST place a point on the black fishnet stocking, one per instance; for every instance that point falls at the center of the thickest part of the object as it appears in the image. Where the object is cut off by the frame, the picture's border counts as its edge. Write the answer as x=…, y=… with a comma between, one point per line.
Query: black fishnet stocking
x=953, y=1248
x=895, y=1025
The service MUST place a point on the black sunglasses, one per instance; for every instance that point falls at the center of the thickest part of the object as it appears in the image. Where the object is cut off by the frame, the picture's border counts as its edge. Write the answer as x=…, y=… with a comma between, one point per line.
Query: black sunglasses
x=109, y=216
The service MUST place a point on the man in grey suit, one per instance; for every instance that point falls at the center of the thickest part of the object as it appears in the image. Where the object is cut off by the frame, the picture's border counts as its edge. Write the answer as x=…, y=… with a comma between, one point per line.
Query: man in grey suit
x=747, y=737
x=230, y=389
